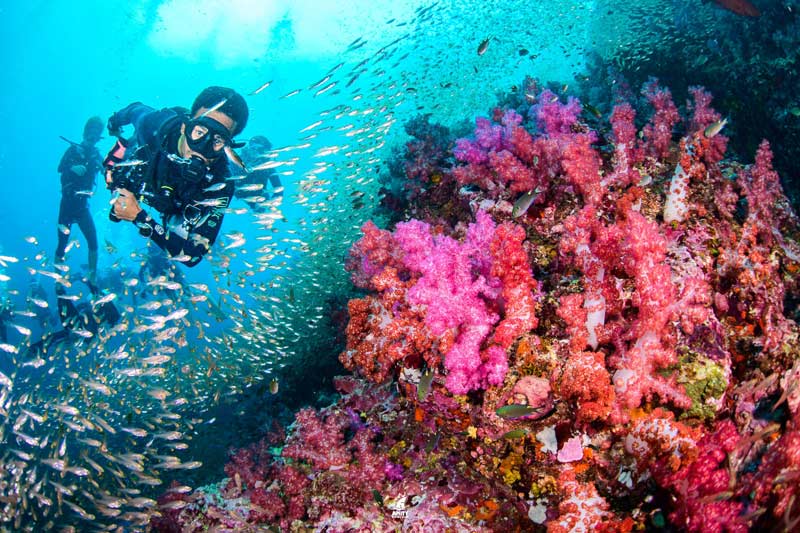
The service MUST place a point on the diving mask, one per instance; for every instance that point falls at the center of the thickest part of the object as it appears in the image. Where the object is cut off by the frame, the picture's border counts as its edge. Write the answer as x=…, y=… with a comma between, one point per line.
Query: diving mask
x=207, y=137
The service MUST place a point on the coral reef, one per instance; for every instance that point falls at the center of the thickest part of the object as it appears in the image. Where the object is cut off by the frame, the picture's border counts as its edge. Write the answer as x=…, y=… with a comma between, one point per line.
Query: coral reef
x=614, y=357
x=749, y=64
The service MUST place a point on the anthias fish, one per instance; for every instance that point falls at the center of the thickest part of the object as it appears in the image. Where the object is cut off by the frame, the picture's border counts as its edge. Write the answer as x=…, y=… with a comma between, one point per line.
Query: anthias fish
x=524, y=202
x=516, y=410
x=715, y=128
x=424, y=386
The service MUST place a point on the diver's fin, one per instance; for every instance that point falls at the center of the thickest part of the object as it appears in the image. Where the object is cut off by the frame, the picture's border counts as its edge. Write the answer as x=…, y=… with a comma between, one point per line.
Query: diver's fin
x=108, y=314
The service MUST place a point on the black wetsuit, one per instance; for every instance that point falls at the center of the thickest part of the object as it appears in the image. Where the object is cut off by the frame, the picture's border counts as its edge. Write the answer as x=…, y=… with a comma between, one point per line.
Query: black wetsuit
x=75, y=193
x=192, y=217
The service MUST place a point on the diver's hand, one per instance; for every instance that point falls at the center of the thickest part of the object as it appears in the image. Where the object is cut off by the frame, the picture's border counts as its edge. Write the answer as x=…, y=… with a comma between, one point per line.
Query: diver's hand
x=125, y=206
x=79, y=170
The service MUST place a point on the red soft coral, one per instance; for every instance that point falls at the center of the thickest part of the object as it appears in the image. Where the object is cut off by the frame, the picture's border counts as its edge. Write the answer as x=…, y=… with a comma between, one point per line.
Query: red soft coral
x=581, y=509
x=510, y=265
x=248, y=466
x=371, y=254
x=703, y=115
x=661, y=444
x=511, y=172
x=702, y=498
x=582, y=167
x=585, y=382
x=643, y=258
x=380, y=334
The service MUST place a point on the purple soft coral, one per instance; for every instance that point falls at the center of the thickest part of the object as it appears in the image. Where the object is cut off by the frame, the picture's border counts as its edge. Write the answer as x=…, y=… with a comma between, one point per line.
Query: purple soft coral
x=455, y=297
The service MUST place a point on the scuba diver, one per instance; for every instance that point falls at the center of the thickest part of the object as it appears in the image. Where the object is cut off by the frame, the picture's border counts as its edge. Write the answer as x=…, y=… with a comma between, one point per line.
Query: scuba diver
x=81, y=321
x=179, y=167
x=79, y=167
x=254, y=183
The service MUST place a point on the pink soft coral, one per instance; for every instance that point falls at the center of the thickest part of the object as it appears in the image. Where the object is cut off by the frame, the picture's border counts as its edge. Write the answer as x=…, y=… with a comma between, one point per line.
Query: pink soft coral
x=461, y=290
x=553, y=117
x=627, y=151
x=658, y=131
x=455, y=299
x=644, y=255
x=506, y=157
x=499, y=154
